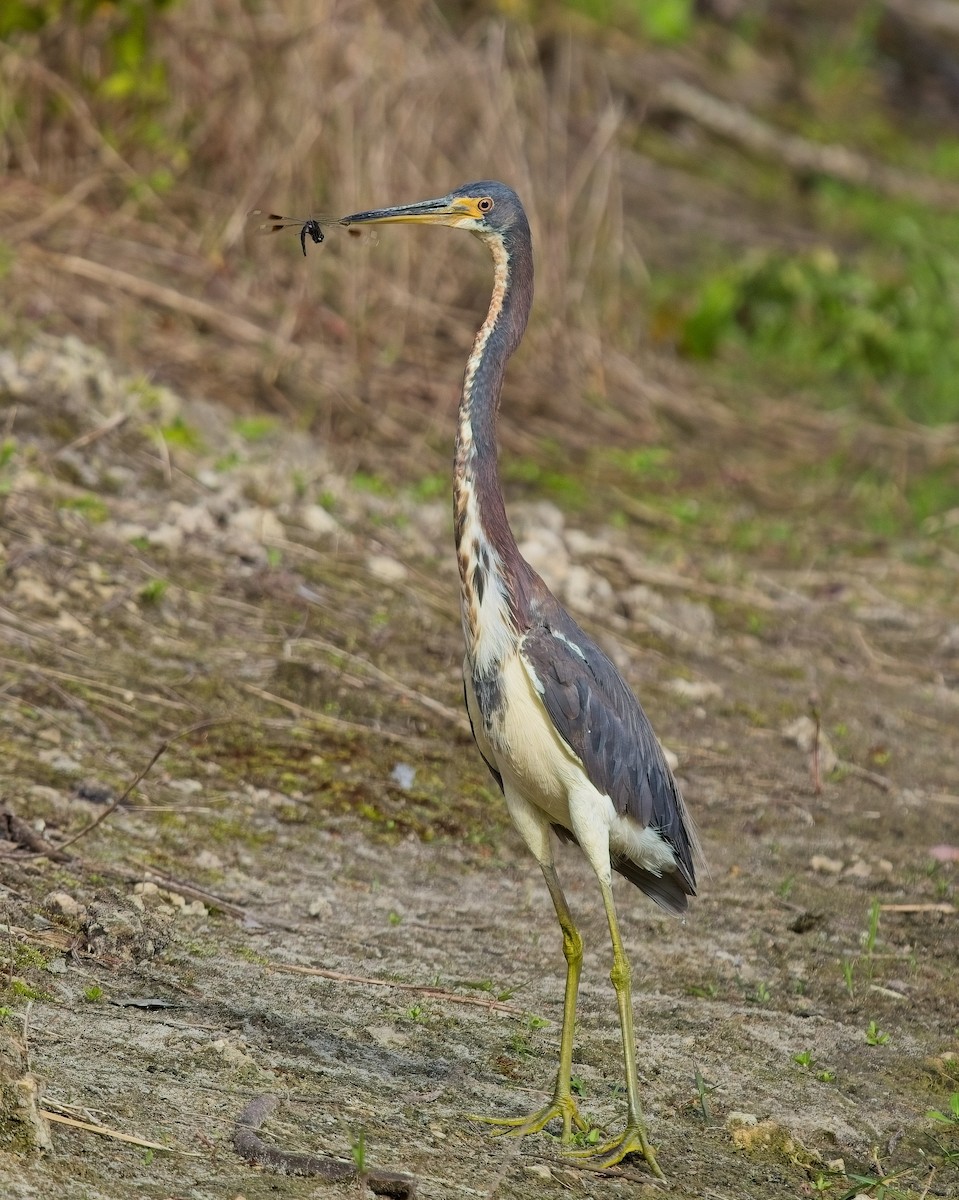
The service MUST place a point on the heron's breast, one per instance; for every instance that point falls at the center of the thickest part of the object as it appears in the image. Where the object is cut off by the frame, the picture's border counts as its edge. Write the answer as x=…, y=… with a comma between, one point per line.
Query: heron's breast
x=526, y=748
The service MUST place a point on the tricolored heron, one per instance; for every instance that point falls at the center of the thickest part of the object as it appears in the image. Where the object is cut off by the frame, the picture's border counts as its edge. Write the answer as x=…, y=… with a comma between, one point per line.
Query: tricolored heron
x=561, y=733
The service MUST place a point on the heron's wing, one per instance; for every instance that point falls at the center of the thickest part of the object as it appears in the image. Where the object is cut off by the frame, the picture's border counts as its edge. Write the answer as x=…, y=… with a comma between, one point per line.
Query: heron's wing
x=601, y=721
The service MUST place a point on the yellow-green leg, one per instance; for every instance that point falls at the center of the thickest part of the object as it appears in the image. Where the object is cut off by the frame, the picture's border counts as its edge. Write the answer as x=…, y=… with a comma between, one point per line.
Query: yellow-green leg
x=633, y=1138
x=562, y=1105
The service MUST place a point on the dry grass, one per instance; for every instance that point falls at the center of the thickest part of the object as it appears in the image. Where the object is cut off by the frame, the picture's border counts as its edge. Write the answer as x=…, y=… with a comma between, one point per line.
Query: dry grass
x=128, y=221
x=321, y=107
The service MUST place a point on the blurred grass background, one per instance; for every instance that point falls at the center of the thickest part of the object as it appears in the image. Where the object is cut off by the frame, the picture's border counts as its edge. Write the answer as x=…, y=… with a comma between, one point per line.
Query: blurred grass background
x=785, y=338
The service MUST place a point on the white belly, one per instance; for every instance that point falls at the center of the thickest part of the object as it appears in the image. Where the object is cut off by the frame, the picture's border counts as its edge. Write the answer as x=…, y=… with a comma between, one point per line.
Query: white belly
x=539, y=769
x=529, y=752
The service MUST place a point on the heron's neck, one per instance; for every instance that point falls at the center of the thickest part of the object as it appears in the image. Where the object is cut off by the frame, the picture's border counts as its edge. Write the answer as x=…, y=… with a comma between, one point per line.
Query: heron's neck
x=492, y=571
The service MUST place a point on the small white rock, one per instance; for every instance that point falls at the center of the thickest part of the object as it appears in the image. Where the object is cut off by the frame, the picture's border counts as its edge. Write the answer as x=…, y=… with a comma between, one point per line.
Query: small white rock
x=165, y=537
x=316, y=519
x=189, y=787
x=584, y=545
x=385, y=568
x=63, y=903
x=588, y=591
x=802, y=733
x=695, y=689
x=262, y=523
x=825, y=866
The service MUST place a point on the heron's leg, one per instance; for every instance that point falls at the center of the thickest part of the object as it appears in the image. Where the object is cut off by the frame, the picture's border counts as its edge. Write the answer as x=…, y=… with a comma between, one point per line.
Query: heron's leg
x=633, y=1139
x=535, y=832
x=573, y=953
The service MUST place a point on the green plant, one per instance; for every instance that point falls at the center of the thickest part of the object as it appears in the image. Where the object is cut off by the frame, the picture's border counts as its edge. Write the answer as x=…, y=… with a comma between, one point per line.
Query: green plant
x=24, y=990
x=521, y=1045
x=255, y=429
x=887, y=320
x=666, y=21
x=703, y=1088
x=652, y=464
x=952, y=1116
x=875, y=1036
x=587, y=1137
x=762, y=994
x=431, y=487
x=358, y=1152
x=376, y=485
x=154, y=591
x=91, y=507
x=179, y=433
x=872, y=930
x=8, y=449
x=848, y=969
x=804, y=1059
x=93, y=993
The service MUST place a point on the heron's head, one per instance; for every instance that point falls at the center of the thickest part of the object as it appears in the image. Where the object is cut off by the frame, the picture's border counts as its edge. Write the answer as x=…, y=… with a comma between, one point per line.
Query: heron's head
x=486, y=208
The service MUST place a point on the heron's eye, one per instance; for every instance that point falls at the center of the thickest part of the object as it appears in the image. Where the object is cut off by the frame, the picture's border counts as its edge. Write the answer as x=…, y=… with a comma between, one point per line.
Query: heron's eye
x=485, y=204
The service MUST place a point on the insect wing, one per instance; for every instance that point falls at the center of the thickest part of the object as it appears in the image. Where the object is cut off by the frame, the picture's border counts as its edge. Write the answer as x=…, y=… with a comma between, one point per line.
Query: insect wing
x=308, y=227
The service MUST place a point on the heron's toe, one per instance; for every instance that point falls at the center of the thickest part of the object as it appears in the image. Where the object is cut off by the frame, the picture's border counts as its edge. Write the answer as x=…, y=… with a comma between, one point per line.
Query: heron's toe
x=561, y=1108
x=632, y=1141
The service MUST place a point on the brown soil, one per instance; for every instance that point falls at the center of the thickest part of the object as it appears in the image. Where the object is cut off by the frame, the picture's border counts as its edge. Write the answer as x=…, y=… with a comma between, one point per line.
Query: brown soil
x=324, y=809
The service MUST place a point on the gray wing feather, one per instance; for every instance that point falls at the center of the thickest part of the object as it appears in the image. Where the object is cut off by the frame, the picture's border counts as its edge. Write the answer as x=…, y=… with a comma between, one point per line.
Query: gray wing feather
x=602, y=722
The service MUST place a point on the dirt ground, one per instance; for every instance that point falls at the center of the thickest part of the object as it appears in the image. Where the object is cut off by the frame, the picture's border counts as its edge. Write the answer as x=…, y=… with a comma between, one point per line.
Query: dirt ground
x=314, y=893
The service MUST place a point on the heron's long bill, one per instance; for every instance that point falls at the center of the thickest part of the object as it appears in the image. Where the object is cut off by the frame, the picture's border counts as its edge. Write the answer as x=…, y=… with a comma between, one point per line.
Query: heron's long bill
x=446, y=210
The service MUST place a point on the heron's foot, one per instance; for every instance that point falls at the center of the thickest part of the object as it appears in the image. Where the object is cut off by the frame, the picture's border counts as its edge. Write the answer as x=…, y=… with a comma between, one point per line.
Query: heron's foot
x=562, y=1108
x=631, y=1141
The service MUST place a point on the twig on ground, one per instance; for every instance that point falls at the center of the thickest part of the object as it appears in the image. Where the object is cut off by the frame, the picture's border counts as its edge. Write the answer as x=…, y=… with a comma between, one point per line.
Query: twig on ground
x=94, y=435
x=58, y=852
x=230, y=324
x=390, y=681
x=324, y=721
x=193, y=891
x=945, y=908
x=434, y=993
x=796, y=153
x=816, y=745
x=873, y=777
x=62, y=207
x=15, y=829
x=104, y=1131
x=114, y=689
